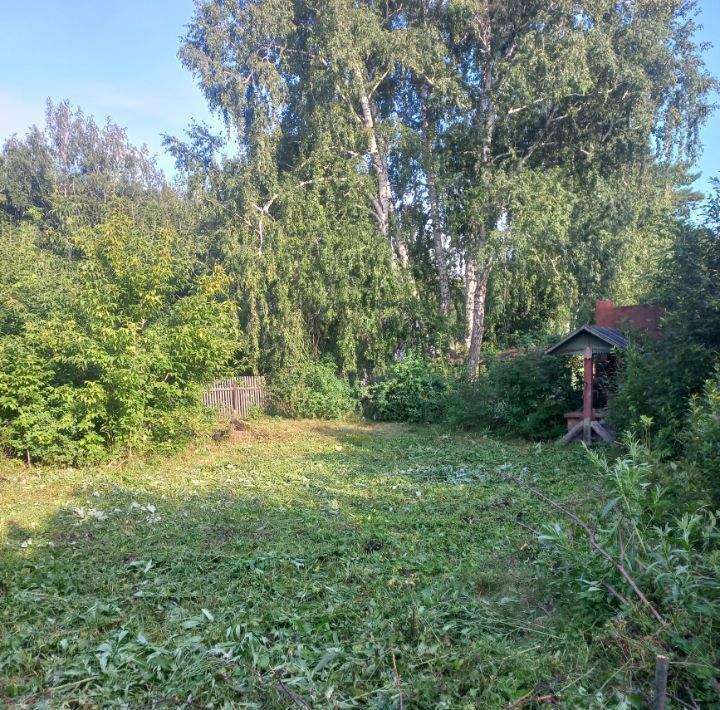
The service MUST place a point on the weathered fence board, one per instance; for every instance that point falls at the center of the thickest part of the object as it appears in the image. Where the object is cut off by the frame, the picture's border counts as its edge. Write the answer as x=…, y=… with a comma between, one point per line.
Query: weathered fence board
x=235, y=396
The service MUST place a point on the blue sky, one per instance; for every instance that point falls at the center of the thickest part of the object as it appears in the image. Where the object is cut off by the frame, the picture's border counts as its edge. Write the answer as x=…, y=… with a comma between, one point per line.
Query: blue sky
x=115, y=58
x=118, y=58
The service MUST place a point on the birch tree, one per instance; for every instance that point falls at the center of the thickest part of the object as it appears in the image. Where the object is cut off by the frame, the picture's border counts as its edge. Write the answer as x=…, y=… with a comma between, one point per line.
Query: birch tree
x=453, y=110
x=583, y=86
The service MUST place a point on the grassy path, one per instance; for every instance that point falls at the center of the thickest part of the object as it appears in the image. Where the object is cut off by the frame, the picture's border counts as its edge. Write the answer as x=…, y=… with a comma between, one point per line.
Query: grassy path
x=305, y=564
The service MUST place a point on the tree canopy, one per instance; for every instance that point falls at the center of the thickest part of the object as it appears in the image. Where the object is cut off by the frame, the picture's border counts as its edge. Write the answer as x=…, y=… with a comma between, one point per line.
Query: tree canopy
x=445, y=176
x=472, y=136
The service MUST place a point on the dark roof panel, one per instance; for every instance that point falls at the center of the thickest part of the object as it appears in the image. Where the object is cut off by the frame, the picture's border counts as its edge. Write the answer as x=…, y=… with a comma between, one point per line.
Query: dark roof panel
x=599, y=338
x=612, y=335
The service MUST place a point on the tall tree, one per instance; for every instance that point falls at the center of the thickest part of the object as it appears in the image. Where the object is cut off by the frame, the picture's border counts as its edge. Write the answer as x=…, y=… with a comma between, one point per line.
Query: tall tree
x=585, y=86
x=455, y=110
x=73, y=170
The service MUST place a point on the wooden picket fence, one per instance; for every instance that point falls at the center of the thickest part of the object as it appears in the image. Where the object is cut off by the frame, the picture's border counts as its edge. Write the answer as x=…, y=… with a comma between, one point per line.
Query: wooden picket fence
x=235, y=396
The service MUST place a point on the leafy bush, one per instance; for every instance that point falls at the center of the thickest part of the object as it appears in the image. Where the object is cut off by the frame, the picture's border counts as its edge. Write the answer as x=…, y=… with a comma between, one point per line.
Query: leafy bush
x=656, y=385
x=312, y=390
x=670, y=551
x=702, y=442
x=523, y=396
x=658, y=382
x=412, y=390
x=118, y=361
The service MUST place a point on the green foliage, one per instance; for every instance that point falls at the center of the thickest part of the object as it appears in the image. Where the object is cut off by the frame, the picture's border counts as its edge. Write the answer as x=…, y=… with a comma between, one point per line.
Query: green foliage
x=41, y=418
x=702, y=440
x=413, y=389
x=656, y=384
x=118, y=358
x=537, y=144
x=302, y=559
x=575, y=239
x=312, y=390
x=525, y=396
x=386, y=151
x=72, y=172
x=659, y=381
x=313, y=277
x=670, y=550
x=27, y=177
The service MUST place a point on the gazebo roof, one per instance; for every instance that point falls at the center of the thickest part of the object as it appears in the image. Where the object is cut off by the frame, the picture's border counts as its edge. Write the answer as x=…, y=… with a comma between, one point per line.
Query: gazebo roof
x=599, y=338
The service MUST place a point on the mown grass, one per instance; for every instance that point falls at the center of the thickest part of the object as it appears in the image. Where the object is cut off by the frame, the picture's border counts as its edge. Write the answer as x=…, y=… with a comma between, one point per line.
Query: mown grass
x=303, y=564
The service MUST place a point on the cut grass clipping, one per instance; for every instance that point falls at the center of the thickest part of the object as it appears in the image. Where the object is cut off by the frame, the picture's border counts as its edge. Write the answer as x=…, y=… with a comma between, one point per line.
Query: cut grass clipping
x=304, y=565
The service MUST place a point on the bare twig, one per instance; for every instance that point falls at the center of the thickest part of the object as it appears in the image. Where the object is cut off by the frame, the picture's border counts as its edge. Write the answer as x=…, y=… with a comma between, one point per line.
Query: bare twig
x=293, y=696
x=522, y=525
x=683, y=704
x=616, y=594
x=533, y=698
x=593, y=543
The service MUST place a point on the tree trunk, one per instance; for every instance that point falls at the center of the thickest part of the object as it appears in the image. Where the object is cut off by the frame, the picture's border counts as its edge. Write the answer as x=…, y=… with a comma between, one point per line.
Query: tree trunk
x=470, y=287
x=382, y=203
x=438, y=248
x=478, y=324
x=477, y=327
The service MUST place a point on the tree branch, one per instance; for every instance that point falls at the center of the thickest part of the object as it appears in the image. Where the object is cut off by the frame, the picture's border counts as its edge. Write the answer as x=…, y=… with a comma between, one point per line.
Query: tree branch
x=593, y=543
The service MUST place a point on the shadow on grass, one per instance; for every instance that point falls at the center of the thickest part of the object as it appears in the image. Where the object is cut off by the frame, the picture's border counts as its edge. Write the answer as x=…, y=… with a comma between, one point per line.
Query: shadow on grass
x=343, y=579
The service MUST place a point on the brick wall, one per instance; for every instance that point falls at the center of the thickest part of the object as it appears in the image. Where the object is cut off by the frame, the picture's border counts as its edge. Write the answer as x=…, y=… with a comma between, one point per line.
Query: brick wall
x=644, y=316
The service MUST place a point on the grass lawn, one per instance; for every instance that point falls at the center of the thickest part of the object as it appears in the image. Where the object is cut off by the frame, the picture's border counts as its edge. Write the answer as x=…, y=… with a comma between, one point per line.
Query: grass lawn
x=303, y=564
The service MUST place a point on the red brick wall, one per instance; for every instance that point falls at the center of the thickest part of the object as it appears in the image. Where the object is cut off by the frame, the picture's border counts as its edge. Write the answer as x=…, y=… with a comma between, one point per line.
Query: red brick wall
x=641, y=317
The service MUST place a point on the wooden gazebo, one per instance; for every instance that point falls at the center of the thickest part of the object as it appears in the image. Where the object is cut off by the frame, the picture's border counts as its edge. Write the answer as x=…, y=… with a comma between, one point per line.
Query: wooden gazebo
x=588, y=341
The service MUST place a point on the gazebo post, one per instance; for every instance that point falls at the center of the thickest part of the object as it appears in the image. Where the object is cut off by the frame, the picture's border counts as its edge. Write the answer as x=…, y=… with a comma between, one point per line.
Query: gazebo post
x=588, y=395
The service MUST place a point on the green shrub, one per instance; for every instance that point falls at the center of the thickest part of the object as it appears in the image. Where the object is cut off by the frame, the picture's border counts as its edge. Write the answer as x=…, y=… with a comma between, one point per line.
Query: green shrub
x=659, y=382
x=655, y=386
x=702, y=441
x=312, y=390
x=40, y=418
x=117, y=363
x=524, y=396
x=412, y=390
x=670, y=550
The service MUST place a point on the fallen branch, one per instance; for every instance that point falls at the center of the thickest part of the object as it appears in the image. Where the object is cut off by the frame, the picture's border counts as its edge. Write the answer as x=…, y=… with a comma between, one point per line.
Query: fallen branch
x=293, y=696
x=593, y=543
x=532, y=698
x=616, y=594
x=522, y=525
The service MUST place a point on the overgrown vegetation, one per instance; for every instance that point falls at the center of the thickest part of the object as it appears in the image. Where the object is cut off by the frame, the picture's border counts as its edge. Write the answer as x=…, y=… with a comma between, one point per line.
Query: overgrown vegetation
x=521, y=394
x=312, y=391
x=655, y=561
x=659, y=381
x=110, y=353
x=701, y=439
x=422, y=194
x=524, y=395
x=413, y=389
x=424, y=180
